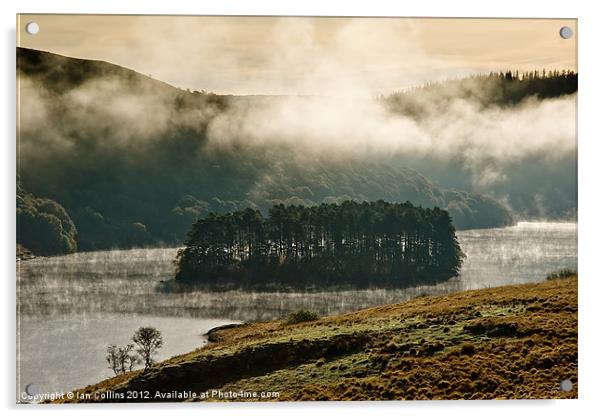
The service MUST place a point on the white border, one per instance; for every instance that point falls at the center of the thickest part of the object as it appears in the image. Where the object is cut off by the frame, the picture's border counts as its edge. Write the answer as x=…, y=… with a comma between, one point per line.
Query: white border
x=590, y=93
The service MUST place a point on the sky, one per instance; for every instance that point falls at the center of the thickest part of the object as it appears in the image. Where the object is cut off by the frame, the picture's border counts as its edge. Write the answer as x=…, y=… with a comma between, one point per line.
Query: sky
x=304, y=55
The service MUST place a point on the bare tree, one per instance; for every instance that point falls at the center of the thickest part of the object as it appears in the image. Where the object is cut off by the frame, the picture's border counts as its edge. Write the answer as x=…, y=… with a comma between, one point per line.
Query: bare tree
x=113, y=358
x=148, y=340
x=121, y=359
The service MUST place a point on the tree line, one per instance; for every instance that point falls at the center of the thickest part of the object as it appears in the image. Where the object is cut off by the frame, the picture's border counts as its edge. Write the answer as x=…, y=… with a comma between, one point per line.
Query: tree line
x=369, y=243
x=505, y=88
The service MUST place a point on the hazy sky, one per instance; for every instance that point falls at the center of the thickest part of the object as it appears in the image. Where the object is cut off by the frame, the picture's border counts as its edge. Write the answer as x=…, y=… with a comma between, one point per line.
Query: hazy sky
x=288, y=55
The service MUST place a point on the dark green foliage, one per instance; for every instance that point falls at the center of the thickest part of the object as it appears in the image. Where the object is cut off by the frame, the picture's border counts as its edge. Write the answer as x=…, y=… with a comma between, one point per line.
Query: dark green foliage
x=470, y=210
x=494, y=89
x=561, y=274
x=43, y=226
x=326, y=245
x=301, y=316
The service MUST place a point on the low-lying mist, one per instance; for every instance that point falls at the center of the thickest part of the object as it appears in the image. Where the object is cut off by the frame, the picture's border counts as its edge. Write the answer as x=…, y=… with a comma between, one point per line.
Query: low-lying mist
x=107, y=143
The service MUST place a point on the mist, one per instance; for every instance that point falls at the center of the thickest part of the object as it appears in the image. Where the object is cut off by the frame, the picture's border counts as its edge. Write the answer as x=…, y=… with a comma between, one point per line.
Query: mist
x=482, y=138
x=123, y=152
x=338, y=68
x=483, y=142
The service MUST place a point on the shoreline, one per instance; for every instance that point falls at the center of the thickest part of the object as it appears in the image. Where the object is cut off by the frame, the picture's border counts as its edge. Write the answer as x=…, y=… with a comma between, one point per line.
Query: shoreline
x=385, y=345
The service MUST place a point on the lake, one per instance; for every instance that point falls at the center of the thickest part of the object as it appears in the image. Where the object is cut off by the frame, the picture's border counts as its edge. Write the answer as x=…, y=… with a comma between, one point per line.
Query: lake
x=70, y=308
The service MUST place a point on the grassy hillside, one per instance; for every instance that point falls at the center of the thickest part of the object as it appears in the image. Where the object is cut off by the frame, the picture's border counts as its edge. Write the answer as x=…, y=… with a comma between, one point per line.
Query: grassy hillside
x=507, y=342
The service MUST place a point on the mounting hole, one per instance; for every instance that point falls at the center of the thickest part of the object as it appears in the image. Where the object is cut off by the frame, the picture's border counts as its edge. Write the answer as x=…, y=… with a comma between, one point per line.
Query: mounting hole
x=32, y=389
x=566, y=32
x=32, y=28
x=566, y=385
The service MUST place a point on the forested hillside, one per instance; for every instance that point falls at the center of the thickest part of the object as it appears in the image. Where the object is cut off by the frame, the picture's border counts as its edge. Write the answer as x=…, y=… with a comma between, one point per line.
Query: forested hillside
x=134, y=161
x=493, y=89
x=43, y=226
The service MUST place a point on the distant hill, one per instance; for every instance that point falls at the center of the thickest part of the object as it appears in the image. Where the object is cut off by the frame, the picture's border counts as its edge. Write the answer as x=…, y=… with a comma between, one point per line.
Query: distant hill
x=493, y=89
x=130, y=160
x=60, y=74
x=537, y=184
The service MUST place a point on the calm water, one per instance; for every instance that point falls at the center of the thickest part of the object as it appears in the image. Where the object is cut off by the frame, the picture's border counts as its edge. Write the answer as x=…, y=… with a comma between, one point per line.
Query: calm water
x=72, y=307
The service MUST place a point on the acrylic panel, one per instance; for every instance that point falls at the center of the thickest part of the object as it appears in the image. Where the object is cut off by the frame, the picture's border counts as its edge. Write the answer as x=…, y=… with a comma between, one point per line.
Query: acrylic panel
x=219, y=208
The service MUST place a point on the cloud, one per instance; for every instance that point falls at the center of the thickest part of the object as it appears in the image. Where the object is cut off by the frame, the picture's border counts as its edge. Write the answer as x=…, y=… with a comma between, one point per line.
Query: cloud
x=355, y=127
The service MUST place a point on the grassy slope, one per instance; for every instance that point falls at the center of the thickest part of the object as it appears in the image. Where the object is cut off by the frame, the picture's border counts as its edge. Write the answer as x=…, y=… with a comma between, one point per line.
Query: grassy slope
x=508, y=342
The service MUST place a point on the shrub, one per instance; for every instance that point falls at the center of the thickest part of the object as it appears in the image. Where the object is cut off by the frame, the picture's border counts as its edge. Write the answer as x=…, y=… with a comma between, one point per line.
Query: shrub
x=468, y=349
x=301, y=316
x=561, y=274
